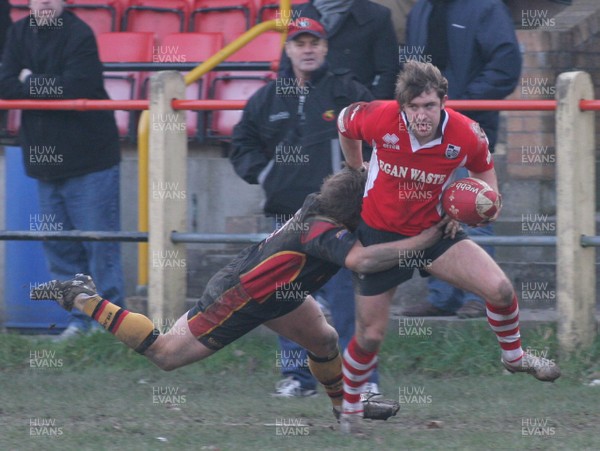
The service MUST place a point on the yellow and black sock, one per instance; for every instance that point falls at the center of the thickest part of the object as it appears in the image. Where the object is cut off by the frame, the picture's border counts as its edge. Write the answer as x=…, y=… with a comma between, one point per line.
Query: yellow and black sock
x=133, y=329
x=328, y=371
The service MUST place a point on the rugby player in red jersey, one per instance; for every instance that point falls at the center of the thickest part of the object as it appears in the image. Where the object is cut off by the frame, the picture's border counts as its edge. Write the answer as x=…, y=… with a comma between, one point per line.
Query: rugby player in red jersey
x=268, y=283
x=417, y=144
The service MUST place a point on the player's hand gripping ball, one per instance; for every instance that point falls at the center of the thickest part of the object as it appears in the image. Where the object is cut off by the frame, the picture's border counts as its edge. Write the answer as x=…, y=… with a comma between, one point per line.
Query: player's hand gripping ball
x=471, y=201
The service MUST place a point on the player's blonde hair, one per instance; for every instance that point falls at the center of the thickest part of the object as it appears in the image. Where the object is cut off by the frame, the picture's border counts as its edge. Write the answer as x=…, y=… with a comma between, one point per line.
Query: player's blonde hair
x=417, y=78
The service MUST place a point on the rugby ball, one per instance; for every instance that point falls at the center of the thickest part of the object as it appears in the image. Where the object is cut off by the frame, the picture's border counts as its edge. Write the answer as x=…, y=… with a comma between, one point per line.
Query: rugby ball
x=470, y=201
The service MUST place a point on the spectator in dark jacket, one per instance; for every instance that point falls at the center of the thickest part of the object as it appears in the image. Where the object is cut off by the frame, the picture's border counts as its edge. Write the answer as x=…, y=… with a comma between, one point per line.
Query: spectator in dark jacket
x=287, y=141
x=473, y=43
x=361, y=38
x=73, y=155
x=5, y=22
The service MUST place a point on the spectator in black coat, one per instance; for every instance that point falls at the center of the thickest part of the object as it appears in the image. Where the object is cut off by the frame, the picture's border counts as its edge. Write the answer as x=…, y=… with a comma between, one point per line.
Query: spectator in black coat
x=73, y=155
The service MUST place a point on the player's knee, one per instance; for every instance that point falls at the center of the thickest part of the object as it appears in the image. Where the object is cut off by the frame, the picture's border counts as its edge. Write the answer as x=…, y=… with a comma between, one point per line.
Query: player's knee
x=328, y=342
x=162, y=358
x=503, y=293
x=332, y=341
x=371, y=338
x=166, y=364
x=325, y=343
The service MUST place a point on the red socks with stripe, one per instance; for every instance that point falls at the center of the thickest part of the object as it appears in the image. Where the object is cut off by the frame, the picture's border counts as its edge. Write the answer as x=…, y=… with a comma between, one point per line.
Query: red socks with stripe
x=505, y=323
x=358, y=365
x=133, y=329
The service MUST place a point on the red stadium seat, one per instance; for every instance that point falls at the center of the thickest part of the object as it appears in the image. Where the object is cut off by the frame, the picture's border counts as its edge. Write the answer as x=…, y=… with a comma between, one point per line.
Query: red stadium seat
x=126, y=47
x=103, y=16
x=229, y=17
x=118, y=48
x=240, y=85
x=19, y=9
x=265, y=47
x=231, y=87
x=194, y=47
x=269, y=10
x=158, y=16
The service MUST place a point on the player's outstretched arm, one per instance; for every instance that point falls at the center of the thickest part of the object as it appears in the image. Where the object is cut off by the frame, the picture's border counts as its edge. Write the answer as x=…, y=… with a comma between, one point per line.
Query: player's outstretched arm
x=380, y=257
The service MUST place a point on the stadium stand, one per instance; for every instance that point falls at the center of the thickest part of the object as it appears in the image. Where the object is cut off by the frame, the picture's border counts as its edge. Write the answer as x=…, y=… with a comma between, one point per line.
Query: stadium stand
x=194, y=47
x=268, y=10
x=122, y=47
x=240, y=85
x=229, y=17
x=103, y=16
x=154, y=31
x=161, y=17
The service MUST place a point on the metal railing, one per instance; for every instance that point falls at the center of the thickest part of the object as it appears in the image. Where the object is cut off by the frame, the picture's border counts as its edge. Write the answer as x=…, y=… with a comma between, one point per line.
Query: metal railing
x=575, y=239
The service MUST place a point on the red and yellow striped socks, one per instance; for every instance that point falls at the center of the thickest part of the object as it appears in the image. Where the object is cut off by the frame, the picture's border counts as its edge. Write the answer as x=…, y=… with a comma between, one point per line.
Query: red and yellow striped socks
x=133, y=329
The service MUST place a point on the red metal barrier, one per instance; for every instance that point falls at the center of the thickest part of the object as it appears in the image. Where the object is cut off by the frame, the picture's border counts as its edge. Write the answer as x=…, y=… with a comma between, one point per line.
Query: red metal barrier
x=74, y=104
x=87, y=104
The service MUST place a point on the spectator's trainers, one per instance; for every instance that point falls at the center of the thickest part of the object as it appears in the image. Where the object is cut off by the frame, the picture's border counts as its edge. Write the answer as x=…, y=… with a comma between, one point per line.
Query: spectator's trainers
x=471, y=309
x=424, y=308
x=541, y=368
x=65, y=292
x=72, y=331
x=291, y=388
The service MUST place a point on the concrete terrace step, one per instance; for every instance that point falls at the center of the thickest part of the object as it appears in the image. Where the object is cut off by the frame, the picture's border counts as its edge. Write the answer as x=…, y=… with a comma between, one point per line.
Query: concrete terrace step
x=529, y=317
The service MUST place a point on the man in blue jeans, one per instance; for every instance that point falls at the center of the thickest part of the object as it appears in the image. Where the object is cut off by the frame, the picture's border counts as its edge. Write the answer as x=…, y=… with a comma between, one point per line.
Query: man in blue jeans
x=287, y=142
x=338, y=297
x=73, y=155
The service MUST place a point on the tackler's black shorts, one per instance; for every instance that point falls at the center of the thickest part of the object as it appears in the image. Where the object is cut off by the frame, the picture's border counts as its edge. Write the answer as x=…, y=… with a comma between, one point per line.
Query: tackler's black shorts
x=225, y=312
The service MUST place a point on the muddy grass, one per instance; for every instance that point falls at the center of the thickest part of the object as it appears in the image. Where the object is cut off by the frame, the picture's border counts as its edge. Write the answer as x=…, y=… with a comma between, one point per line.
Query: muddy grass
x=95, y=395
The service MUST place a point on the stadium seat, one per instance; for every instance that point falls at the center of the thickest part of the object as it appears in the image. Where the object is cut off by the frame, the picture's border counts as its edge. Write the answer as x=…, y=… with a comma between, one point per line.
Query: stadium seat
x=268, y=10
x=240, y=85
x=118, y=48
x=103, y=16
x=195, y=47
x=161, y=17
x=231, y=87
x=229, y=17
x=19, y=9
x=264, y=48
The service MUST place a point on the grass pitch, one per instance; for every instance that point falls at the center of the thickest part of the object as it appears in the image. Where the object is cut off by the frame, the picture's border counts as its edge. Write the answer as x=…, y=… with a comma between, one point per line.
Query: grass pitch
x=95, y=394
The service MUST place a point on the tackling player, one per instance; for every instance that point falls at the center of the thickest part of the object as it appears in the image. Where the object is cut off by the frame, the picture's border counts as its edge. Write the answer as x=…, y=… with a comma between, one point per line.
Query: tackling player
x=417, y=144
x=268, y=283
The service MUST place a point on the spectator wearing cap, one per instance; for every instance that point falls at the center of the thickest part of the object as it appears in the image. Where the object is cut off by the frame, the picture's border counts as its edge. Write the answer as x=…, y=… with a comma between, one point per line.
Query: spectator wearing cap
x=361, y=39
x=287, y=142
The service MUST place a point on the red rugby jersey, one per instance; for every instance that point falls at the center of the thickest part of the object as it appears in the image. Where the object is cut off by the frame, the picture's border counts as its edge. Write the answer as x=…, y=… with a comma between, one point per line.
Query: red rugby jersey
x=406, y=180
